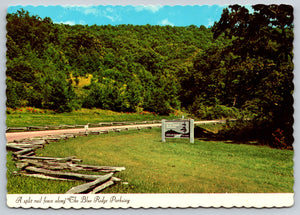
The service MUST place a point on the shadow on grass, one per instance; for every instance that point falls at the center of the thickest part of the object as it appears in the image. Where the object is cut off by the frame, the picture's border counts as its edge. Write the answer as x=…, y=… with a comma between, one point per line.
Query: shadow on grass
x=205, y=135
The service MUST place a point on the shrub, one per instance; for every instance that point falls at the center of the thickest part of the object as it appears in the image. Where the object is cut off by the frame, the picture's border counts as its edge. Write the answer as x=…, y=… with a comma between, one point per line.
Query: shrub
x=216, y=112
x=278, y=139
x=261, y=131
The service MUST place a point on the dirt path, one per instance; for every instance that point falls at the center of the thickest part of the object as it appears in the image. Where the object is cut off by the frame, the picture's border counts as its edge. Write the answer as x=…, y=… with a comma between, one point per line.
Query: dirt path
x=29, y=134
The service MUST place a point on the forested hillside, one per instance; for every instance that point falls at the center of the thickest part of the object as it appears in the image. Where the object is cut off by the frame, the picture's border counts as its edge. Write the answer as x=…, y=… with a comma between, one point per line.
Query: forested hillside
x=132, y=67
x=241, y=67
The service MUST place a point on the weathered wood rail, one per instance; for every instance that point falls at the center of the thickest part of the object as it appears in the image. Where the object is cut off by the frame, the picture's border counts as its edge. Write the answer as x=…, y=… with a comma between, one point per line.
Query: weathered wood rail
x=90, y=125
x=68, y=168
x=102, y=124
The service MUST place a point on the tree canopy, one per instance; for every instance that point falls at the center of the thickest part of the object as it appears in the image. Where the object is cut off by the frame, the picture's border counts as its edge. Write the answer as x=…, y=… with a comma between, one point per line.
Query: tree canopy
x=261, y=65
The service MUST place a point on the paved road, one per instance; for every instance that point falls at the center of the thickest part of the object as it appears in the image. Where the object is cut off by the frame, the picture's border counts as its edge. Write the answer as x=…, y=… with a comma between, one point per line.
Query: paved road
x=29, y=134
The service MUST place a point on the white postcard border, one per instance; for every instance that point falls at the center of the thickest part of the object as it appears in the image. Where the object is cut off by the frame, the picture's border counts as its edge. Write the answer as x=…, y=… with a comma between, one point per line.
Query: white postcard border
x=283, y=199
x=260, y=200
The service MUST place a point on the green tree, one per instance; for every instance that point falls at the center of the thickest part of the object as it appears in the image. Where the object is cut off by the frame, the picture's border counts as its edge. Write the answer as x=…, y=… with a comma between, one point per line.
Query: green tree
x=261, y=65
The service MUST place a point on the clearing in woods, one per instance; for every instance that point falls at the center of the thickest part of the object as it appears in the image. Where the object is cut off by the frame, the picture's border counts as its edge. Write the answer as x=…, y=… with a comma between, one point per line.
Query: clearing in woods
x=176, y=166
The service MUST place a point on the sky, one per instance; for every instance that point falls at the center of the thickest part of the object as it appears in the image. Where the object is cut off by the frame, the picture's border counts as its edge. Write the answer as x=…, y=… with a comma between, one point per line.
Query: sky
x=136, y=15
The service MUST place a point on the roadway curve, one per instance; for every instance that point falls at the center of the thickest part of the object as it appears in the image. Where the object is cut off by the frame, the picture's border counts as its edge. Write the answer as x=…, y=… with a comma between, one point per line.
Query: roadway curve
x=29, y=134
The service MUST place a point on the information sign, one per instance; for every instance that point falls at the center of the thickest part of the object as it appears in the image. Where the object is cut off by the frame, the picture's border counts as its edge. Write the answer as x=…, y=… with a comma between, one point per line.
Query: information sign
x=178, y=129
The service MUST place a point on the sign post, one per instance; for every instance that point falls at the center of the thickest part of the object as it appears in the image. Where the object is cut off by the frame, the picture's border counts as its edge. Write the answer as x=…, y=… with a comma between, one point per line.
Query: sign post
x=177, y=129
x=163, y=127
x=191, y=131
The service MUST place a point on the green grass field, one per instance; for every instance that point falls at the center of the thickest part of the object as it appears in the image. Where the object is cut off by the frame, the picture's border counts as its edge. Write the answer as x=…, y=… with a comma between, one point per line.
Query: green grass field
x=26, y=117
x=176, y=166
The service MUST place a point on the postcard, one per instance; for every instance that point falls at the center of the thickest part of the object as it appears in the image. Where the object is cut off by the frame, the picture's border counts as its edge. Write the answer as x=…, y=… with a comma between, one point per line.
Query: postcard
x=147, y=106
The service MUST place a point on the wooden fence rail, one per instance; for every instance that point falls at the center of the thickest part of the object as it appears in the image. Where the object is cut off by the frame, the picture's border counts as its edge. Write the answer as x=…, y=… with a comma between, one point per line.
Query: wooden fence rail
x=91, y=125
x=52, y=168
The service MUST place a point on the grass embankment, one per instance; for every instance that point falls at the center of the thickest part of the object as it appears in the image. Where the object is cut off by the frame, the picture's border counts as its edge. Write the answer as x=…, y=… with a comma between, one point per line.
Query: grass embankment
x=38, y=117
x=172, y=167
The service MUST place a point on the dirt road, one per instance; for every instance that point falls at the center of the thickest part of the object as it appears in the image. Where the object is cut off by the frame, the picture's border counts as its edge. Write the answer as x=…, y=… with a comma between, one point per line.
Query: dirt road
x=29, y=134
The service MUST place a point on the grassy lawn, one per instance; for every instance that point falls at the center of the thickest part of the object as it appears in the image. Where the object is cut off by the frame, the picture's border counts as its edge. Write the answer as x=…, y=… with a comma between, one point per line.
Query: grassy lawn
x=172, y=167
x=24, y=117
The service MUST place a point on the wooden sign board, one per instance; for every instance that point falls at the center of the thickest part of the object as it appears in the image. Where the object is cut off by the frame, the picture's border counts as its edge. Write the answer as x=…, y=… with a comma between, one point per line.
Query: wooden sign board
x=177, y=129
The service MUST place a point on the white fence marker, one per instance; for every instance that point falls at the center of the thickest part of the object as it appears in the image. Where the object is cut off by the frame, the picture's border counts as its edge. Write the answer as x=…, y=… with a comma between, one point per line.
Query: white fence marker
x=86, y=127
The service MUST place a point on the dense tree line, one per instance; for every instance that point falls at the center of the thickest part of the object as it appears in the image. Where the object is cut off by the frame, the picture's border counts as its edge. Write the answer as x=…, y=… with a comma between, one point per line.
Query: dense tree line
x=242, y=66
x=133, y=67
